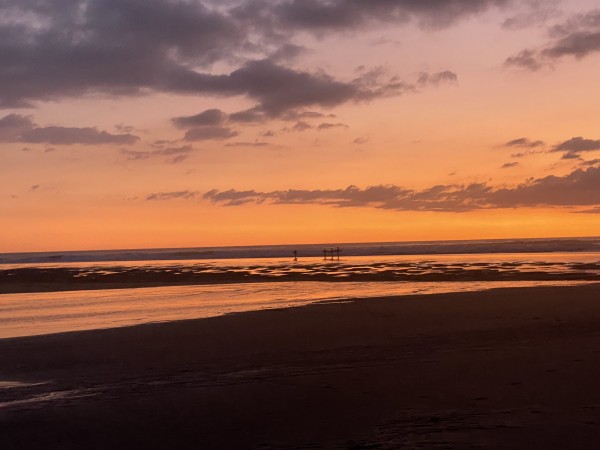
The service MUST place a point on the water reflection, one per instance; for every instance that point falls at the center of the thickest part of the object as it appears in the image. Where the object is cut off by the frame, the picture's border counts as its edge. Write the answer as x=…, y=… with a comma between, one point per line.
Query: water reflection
x=53, y=312
x=490, y=267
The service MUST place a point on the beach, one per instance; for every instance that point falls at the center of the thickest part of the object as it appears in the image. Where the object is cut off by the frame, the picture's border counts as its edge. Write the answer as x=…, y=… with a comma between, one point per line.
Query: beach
x=503, y=368
x=288, y=224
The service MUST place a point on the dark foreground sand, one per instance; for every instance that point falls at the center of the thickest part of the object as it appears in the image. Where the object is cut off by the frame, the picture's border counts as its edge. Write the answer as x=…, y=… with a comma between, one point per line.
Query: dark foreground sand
x=510, y=369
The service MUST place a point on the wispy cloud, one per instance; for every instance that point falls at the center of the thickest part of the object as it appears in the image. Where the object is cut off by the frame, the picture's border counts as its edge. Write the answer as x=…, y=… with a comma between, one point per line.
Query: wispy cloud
x=573, y=147
x=18, y=128
x=247, y=144
x=578, y=37
x=171, y=155
x=209, y=117
x=578, y=144
x=186, y=195
x=535, y=13
x=435, y=79
x=524, y=143
x=328, y=126
x=288, y=94
x=579, y=188
x=210, y=133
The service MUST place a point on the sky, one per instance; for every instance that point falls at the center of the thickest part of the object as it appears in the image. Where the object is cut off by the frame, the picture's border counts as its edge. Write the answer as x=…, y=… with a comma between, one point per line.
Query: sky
x=179, y=123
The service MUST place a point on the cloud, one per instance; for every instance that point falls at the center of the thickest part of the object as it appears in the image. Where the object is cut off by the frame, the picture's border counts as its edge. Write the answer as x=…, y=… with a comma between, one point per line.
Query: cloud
x=282, y=92
x=438, y=198
x=509, y=165
x=228, y=198
x=173, y=155
x=573, y=147
x=210, y=117
x=210, y=133
x=571, y=155
x=288, y=94
x=524, y=143
x=578, y=36
x=579, y=188
x=279, y=89
x=18, y=128
x=247, y=144
x=252, y=115
x=298, y=127
x=176, y=159
x=592, y=162
x=207, y=125
x=52, y=50
x=525, y=59
x=328, y=126
x=186, y=195
x=327, y=16
x=287, y=52
x=305, y=115
x=578, y=44
x=590, y=211
x=578, y=144
x=67, y=48
x=537, y=13
x=435, y=79
x=124, y=128
x=69, y=135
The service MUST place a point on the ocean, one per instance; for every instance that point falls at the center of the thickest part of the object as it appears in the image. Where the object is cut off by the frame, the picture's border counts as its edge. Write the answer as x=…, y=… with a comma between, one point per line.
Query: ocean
x=545, y=245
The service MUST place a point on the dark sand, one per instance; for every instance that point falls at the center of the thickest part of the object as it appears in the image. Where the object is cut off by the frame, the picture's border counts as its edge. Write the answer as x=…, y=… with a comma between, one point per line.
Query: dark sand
x=509, y=369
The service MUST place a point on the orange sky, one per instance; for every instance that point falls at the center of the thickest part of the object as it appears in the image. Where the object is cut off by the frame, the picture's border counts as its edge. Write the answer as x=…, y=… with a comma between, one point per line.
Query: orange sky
x=476, y=122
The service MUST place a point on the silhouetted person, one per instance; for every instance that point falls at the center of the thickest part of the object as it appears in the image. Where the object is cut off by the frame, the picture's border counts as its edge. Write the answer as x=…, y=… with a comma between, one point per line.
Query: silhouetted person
x=325, y=253
x=331, y=250
x=337, y=250
x=295, y=255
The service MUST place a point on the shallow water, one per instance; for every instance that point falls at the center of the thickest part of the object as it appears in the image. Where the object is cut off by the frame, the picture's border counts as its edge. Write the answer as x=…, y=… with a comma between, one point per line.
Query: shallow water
x=53, y=312
x=476, y=267
x=222, y=286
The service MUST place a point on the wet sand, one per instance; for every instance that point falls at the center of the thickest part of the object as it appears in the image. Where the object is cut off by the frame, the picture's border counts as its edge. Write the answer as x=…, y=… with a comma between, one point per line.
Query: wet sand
x=508, y=368
x=441, y=268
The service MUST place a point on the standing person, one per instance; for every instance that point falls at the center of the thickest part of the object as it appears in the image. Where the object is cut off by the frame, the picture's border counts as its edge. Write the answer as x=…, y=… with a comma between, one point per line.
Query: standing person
x=295, y=255
x=338, y=253
x=325, y=254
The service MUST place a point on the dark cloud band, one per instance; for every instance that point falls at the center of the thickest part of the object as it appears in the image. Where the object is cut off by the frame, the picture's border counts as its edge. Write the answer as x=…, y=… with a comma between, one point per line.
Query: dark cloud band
x=18, y=128
x=68, y=48
x=579, y=188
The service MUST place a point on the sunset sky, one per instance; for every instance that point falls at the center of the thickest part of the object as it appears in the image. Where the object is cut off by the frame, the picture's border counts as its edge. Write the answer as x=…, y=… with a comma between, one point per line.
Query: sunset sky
x=171, y=123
